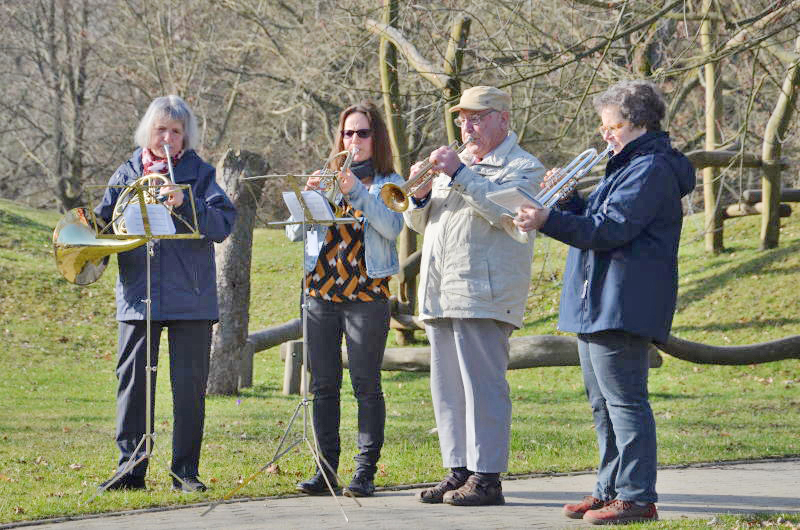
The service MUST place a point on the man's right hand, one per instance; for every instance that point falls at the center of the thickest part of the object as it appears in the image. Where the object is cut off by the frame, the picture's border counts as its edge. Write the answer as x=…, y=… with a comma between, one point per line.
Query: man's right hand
x=423, y=190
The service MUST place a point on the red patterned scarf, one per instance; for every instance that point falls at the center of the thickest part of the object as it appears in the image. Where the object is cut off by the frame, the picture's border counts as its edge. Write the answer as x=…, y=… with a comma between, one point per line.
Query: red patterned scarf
x=155, y=164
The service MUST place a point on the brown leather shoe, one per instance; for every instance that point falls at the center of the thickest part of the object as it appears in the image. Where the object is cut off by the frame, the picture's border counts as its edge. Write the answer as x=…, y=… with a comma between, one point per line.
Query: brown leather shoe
x=576, y=511
x=475, y=493
x=622, y=512
x=435, y=494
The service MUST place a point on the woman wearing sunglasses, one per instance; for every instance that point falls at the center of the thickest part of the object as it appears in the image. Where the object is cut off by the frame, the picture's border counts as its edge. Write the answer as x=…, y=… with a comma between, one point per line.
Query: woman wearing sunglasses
x=348, y=268
x=620, y=288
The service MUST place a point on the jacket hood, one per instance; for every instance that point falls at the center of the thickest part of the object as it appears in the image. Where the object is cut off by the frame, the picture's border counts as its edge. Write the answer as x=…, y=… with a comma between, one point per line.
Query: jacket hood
x=658, y=142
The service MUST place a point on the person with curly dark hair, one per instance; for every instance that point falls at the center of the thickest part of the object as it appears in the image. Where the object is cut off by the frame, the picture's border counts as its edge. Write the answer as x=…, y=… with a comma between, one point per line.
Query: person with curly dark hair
x=620, y=289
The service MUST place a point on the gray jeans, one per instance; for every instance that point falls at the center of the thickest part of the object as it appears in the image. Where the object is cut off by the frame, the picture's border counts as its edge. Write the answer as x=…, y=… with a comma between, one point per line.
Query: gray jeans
x=470, y=395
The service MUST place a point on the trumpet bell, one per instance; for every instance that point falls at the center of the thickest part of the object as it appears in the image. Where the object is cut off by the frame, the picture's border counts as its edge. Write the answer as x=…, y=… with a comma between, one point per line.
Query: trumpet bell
x=81, y=257
x=394, y=197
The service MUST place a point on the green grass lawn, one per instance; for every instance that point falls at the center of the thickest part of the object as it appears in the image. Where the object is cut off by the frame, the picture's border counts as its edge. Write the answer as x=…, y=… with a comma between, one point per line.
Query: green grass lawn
x=59, y=348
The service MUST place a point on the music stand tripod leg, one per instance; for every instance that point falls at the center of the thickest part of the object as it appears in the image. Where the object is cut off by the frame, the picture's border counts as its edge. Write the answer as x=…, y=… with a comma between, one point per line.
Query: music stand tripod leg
x=304, y=405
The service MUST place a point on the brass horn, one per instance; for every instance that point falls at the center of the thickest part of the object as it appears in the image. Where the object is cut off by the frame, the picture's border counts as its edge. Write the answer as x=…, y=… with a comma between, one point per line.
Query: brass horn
x=396, y=197
x=80, y=255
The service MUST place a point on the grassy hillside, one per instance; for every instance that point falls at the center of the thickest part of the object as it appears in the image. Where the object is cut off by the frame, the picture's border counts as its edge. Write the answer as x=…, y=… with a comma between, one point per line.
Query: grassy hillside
x=59, y=348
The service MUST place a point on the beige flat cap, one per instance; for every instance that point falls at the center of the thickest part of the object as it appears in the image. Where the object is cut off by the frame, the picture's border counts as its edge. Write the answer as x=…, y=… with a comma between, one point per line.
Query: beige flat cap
x=482, y=98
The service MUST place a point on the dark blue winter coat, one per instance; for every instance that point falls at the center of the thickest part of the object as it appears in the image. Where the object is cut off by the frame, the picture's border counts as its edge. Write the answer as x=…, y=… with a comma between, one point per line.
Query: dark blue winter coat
x=183, y=272
x=622, y=267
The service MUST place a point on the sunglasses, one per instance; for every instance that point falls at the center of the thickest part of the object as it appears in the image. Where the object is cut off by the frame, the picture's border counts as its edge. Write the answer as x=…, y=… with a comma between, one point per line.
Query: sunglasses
x=362, y=133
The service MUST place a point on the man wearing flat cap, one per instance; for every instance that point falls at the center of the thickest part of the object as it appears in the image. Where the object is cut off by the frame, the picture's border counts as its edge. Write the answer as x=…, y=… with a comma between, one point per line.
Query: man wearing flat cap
x=474, y=281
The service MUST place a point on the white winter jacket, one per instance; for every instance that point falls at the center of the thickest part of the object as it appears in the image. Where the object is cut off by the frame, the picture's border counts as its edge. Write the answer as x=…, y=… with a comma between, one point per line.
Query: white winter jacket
x=471, y=268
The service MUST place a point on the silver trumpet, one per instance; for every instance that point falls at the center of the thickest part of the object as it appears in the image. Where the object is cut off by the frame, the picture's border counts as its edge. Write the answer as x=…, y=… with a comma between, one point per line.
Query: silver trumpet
x=563, y=181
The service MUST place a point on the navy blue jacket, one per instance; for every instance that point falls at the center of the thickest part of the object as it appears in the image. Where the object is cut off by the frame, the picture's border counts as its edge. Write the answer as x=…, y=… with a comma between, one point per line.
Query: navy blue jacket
x=183, y=272
x=622, y=267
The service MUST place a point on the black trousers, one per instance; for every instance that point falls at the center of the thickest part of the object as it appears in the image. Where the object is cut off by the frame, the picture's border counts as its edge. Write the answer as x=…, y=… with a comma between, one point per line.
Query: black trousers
x=189, y=350
x=365, y=326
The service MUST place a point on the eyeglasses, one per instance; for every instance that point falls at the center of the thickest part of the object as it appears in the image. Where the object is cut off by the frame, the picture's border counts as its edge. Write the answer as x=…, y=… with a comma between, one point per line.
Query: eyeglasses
x=475, y=119
x=611, y=128
x=362, y=133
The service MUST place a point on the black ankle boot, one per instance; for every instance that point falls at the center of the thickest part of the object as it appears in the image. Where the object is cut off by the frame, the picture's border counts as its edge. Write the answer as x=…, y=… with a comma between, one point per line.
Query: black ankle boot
x=362, y=485
x=316, y=485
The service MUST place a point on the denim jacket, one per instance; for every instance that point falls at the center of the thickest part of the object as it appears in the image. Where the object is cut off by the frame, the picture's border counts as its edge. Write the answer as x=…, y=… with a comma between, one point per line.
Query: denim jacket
x=381, y=228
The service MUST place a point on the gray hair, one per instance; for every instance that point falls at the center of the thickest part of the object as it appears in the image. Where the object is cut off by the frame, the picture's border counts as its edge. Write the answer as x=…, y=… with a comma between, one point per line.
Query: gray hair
x=174, y=108
x=640, y=102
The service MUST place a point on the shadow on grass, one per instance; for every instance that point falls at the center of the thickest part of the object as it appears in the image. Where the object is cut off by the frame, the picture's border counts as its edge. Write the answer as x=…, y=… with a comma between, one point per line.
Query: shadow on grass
x=708, y=286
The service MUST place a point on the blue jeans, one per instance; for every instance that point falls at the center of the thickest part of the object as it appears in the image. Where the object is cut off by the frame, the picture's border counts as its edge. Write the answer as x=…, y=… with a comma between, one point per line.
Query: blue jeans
x=615, y=365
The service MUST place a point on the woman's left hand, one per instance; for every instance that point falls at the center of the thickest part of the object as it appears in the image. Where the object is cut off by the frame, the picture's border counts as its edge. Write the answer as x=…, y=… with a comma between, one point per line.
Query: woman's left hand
x=173, y=193
x=529, y=218
x=347, y=181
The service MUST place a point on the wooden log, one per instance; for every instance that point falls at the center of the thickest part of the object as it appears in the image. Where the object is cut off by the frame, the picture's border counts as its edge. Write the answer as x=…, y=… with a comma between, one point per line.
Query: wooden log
x=702, y=159
x=525, y=352
x=262, y=340
x=787, y=195
x=743, y=209
x=292, y=353
x=763, y=352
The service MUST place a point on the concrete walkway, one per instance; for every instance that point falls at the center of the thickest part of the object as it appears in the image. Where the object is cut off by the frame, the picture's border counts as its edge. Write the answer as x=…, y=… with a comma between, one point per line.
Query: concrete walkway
x=699, y=491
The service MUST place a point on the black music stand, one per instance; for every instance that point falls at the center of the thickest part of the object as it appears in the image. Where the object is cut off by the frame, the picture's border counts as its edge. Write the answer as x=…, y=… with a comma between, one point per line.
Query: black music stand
x=318, y=204
x=140, y=191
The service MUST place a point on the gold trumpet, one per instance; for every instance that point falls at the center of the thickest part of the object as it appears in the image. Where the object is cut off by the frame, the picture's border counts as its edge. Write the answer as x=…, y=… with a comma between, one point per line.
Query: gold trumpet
x=396, y=197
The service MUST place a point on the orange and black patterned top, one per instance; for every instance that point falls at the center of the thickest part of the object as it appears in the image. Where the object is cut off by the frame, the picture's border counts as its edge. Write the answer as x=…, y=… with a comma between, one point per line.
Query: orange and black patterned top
x=340, y=274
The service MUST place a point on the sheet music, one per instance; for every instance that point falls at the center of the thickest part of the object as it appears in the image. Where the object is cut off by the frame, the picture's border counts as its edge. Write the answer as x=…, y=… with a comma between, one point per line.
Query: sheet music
x=513, y=198
x=161, y=223
x=318, y=206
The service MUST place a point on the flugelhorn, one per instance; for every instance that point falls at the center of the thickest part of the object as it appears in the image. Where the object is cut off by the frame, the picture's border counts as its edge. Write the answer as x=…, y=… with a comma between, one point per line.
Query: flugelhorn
x=396, y=197
x=565, y=179
x=329, y=179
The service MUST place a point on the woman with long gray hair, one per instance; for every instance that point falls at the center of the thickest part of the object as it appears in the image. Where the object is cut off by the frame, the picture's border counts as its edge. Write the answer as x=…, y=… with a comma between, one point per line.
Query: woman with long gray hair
x=620, y=289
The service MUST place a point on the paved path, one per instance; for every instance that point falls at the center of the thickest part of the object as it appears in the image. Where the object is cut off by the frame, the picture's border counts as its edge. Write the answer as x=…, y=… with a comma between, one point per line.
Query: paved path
x=535, y=502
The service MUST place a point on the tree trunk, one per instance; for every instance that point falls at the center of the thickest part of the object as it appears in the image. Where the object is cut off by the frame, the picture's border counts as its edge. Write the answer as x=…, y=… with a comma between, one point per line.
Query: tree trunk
x=453, y=59
x=390, y=83
x=233, y=270
x=771, y=153
x=711, y=187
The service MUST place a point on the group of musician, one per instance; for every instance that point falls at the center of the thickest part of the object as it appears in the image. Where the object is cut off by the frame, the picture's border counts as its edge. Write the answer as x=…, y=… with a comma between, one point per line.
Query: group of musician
x=619, y=293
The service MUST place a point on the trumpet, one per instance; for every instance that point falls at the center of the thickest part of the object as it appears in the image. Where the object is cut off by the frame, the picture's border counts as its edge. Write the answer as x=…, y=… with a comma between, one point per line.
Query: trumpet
x=396, y=197
x=565, y=179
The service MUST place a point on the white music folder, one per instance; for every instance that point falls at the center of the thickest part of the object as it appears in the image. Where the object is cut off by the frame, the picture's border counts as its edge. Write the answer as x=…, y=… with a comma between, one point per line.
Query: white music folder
x=513, y=198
